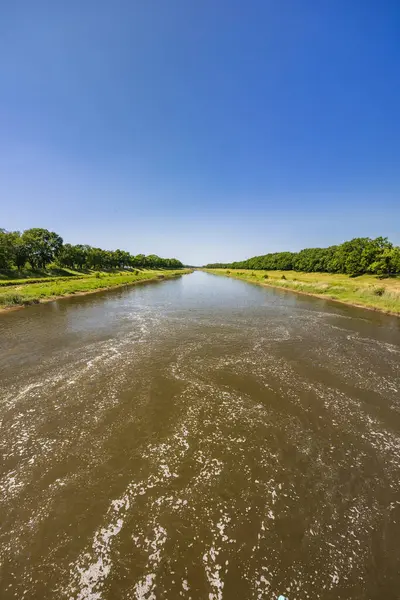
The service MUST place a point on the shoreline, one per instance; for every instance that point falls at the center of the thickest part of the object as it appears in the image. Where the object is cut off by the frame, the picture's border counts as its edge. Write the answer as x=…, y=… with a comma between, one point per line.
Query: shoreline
x=303, y=293
x=36, y=302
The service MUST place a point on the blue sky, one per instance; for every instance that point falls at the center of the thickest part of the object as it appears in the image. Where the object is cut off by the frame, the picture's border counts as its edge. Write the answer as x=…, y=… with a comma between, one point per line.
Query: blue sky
x=204, y=129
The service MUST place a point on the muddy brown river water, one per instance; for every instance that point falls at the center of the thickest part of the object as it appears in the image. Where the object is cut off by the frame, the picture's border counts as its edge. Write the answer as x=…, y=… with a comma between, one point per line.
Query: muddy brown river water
x=199, y=438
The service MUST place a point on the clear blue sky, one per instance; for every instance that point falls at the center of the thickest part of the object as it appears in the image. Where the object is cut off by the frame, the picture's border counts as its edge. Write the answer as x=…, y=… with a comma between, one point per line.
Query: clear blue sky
x=202, y=129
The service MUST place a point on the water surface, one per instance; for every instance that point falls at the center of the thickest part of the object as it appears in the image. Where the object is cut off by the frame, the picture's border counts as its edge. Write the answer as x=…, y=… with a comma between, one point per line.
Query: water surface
x=199, y=438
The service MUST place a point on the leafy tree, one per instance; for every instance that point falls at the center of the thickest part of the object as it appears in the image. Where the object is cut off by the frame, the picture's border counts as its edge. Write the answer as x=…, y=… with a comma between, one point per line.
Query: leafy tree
x=21, y=251
x=67, y=256
x=354, y=257
x=121, y=258
x=81, y=252
x=96, y=258
x=6, y=249
x=139, y=260
x=394, y=258
x=42, y=246
x=388, y=262
x=39, y=247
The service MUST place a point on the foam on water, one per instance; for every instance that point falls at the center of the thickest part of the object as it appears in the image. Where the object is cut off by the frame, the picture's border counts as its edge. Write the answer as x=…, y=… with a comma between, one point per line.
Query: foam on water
x=272, y=467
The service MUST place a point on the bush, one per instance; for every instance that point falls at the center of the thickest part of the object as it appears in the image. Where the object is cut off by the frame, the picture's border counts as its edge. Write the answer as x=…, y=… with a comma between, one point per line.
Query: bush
x=379, y=291
x=9, y=299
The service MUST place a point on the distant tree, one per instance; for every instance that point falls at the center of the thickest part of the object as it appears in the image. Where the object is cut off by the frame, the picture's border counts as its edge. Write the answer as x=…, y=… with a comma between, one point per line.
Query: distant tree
x=96, y=258
x=139, y=260
x=394, y=260
x=67, y=256
x=39, y=247
x=21, y=251
x=353, y=257
x=122, y=259
x=6, y=249
x=388, y=262
x=42, y=246
x=81, y=252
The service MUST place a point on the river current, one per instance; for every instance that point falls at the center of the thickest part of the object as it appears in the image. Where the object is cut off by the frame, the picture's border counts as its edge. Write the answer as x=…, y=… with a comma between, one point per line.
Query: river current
x=199, y=438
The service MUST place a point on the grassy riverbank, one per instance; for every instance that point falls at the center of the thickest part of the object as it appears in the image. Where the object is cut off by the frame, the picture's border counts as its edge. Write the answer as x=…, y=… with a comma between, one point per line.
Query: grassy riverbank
x=367, y=290
x=15, y=293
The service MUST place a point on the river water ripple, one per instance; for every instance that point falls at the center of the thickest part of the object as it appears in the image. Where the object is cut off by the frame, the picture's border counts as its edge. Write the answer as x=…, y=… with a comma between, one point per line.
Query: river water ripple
x=199, y=438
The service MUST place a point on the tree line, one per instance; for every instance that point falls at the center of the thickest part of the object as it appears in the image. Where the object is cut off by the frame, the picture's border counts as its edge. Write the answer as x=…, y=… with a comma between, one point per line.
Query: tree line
x=355, y=257
x=39, y=247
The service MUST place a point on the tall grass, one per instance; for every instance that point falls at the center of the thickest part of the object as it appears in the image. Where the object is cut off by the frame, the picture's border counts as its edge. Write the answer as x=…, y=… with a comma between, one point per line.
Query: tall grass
x=28, y=293
x=367, y=290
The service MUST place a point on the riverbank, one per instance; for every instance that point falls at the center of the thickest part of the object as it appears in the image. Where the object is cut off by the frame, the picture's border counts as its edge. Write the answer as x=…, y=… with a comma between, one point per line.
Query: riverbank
x=18, y=295
x=366, y=291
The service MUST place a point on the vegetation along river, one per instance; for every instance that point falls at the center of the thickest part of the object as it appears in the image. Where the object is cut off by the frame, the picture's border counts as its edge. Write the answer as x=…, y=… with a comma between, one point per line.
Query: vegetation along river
x=199, y=438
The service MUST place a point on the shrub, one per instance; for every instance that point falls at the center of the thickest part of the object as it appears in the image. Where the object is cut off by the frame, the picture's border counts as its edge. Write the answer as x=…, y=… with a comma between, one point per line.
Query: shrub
x=7, y=299
x=379, y=291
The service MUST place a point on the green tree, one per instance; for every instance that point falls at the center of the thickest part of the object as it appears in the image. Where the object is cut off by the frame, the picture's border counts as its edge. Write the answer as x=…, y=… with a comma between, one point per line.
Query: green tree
x=67, y=256
x=21, y=251
x=42, y=246
x=6, y=249
x=139, y=260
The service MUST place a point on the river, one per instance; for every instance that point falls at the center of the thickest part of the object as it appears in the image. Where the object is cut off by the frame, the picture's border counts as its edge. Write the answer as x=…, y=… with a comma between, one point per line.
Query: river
x=199, y=438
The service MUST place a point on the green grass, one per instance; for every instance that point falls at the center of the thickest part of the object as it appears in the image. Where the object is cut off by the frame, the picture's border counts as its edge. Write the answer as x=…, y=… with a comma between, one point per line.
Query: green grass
x=11, y=282
x=53, y=270
x=367, y=290
x=28, y=276
x=24, y=293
